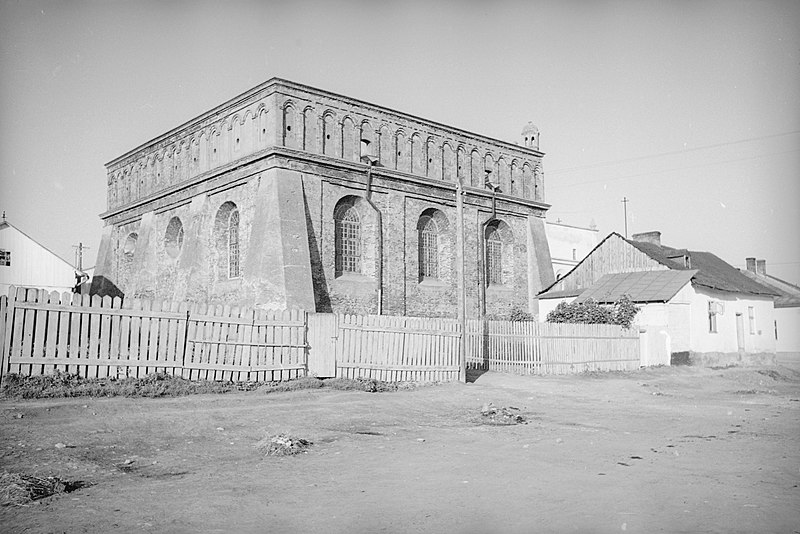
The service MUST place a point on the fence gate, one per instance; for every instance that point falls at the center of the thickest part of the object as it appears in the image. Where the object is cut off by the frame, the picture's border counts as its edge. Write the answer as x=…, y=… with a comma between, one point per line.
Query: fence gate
x=224, y=343
x=323, y=332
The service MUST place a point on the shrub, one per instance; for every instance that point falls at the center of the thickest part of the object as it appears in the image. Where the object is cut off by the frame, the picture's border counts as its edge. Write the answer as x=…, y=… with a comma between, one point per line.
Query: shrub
x=622, y=312
x=519, y=315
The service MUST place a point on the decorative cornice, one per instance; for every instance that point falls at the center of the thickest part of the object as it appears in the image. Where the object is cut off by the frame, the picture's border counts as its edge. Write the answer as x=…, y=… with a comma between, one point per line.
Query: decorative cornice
x=281, y=86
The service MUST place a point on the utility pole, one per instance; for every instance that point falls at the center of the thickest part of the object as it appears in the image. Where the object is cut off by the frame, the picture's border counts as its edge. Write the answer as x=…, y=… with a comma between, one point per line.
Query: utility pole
x=462, y=297
x=625, y=209
x=79, y=248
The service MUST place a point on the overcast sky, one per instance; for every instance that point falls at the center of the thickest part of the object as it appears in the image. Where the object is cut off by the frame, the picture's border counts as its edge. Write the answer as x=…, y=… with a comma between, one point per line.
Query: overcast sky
x=689, y=109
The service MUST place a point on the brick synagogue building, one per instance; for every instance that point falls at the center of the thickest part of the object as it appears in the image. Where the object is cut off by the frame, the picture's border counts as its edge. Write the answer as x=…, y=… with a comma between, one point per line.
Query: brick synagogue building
x=293, y=197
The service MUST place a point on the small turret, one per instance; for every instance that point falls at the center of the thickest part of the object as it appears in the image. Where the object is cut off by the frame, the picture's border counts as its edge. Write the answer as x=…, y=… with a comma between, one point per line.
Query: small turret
x=530, y=136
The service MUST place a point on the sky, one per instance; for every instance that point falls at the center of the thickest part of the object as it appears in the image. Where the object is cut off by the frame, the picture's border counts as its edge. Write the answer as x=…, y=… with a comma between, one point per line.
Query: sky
x=690, y=110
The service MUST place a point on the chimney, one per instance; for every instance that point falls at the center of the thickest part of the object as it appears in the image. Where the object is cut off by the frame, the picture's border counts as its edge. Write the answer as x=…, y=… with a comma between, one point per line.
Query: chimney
x=648, y=237
x=761, y=267
x=751, y=264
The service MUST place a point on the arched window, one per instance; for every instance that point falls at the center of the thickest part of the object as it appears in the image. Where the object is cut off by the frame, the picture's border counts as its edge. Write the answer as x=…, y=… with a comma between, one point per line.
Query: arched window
x=233, y=245
x=494, y=256
x=173, y=237
x=130, y=245
x=348, y=241
x=428, y=248
x=226, y=236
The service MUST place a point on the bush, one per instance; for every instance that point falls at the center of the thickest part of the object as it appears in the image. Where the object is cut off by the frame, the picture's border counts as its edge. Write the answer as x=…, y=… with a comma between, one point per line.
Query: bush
x=622, y=312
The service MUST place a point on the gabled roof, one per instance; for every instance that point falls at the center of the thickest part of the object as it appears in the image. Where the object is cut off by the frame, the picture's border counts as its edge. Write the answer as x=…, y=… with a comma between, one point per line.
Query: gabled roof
x=560, y=294
x=5, y=223
x=788, y=294
x=640, y=287
x=710, y=271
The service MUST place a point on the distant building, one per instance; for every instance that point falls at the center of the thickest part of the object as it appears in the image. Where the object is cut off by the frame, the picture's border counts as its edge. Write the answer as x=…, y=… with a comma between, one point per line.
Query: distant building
x=568, y=245
x=787, y=306
x=289, y=196
x=694, y=306
x=26, y=263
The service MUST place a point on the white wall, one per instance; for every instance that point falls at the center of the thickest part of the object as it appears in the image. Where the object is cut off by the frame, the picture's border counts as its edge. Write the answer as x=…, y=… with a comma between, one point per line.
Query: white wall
x=548, y=305
x=788, y=320
x=32, y=265
x=563, y=239
x=724, y=340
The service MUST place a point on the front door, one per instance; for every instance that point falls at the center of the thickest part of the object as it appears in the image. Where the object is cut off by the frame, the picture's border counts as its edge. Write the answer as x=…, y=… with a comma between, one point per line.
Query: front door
x=740, y=332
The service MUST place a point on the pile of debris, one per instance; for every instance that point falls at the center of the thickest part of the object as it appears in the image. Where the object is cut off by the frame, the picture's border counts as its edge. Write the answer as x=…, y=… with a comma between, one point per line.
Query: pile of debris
x=283, y=445
x=492, y=415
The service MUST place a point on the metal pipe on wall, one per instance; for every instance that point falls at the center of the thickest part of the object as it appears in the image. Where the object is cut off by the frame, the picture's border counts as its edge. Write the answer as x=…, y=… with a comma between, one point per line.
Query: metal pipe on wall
x=379, y=221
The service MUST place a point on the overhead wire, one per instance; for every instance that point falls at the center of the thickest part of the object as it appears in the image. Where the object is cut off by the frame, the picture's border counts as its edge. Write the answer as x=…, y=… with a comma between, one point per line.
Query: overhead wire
x=671, y=153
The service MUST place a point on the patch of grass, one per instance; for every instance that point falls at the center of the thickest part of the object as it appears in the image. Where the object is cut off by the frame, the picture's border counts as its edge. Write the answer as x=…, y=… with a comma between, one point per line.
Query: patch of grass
x=307, y=382
x=369, y=385
x=59, y=385
x=20, y=489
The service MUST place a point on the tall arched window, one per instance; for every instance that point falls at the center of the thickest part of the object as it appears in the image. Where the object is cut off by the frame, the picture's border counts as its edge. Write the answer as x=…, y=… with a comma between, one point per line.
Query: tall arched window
x=226, y=237
x=428, y=248
x=173, y=237
x=494, y=256
x=348, y=241
x=233, y=245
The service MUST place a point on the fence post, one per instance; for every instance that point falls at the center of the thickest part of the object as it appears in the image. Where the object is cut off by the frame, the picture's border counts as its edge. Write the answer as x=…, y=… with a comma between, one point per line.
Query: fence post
x=6, y=318
x=185, y=342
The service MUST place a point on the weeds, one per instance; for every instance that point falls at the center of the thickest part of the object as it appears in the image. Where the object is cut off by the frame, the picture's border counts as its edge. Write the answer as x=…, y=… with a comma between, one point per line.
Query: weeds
x=67, y=385
x=59, y=385
x=19, y=489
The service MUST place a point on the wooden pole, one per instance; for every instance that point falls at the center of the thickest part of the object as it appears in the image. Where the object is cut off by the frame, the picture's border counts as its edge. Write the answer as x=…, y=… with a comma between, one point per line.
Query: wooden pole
x=462, y=300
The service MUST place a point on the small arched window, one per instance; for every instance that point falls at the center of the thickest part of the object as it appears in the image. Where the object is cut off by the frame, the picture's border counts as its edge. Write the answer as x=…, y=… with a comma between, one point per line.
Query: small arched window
x=233, y=245
x=173, y=237
x=428, y=248
x=494, y=256
x=130, y=245
x=348, y=242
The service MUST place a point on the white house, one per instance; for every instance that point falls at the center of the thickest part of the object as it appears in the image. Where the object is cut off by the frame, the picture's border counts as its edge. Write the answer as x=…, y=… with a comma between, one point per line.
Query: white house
x=694, y=307
x=787, y=308
x=26, y=263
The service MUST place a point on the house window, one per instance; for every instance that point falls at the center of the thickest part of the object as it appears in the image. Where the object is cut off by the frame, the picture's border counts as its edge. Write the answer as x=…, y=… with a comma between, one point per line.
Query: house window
x=233, y=245
x=751, y=316
x=173, y=238
x=5, y=258
x=494, y=257
x=428, y=248
x=712, y=317
x=348, y=242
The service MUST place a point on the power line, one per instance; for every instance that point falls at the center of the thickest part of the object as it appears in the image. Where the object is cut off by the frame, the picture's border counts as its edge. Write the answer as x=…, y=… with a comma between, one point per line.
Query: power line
x=672, y=153
x=649, y=173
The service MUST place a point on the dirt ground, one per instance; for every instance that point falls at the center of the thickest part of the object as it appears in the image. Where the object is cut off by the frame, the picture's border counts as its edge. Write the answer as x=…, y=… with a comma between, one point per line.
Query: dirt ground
x=661, y=450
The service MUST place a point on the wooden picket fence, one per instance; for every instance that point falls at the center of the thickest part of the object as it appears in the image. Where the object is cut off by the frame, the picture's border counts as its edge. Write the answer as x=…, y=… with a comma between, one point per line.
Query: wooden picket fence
x=41, y=332
x=394, y=348
x=100, y=337
x=550, y=348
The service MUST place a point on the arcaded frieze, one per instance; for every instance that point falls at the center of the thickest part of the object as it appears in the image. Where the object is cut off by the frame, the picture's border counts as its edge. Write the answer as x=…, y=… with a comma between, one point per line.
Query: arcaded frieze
x=284, y=114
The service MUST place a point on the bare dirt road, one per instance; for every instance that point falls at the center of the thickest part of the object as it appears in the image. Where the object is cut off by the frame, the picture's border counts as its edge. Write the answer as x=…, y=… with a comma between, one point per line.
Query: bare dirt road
x=661, y=450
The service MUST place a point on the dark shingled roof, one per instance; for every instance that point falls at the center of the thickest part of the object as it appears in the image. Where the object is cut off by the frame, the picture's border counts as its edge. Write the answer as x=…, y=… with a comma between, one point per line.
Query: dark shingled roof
x=788, y=294
x=712, y=272
x=641, y=286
